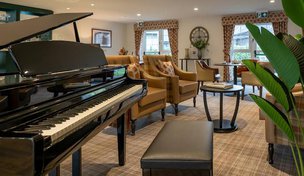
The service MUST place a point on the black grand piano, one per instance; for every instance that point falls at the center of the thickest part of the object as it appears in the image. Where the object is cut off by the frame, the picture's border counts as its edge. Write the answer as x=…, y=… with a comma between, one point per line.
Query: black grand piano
x=37, y=134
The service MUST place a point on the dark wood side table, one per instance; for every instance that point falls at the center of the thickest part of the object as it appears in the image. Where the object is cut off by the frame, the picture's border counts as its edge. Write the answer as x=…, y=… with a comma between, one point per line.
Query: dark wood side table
x=223, y=125
x=192, y=59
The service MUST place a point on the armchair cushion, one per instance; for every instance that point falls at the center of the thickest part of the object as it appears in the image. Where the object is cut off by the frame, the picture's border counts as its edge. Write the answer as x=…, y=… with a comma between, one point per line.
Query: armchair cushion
x=186, y=86
x=133, y=71
x=153, y=95
x=166, y=67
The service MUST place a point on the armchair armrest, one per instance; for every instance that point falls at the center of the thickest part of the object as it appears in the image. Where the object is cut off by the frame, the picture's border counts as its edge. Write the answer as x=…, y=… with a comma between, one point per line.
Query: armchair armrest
x=190, y=76
x=153, y=81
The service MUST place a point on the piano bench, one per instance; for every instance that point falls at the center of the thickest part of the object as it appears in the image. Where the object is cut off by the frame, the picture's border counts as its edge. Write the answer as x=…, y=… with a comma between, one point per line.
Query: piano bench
x=180, y=148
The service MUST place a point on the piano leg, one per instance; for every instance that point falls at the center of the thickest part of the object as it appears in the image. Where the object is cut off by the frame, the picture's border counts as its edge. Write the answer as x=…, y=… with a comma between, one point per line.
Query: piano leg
x=76, y=163
x=121, y=139
x=55, y=172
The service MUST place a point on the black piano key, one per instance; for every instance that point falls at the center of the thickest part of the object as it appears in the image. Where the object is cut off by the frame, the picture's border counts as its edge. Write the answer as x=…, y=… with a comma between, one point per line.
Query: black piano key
x=41, y=127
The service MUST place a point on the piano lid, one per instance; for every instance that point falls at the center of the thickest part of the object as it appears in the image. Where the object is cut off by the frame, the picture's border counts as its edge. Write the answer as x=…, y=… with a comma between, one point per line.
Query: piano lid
x=22, y=30
x=51, y=57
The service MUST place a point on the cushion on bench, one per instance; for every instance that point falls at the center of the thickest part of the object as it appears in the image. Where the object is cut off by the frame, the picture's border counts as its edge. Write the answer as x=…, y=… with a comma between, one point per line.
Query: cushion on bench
x=181, y=145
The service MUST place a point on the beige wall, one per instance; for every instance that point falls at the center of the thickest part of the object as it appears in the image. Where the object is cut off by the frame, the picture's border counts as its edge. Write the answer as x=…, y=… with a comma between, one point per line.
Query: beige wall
x=84, y=29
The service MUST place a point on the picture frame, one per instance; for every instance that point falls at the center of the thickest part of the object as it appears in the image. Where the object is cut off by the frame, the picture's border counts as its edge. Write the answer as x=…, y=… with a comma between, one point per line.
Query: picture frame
x=102, y=37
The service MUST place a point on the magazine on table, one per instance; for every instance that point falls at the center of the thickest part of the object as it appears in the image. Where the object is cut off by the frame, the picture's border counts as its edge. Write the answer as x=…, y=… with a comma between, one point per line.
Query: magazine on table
x=220, y=85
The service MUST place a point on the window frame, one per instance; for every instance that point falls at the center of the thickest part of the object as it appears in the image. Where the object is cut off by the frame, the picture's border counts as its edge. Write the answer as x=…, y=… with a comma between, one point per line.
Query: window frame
x=253, y=49
x=161, y=49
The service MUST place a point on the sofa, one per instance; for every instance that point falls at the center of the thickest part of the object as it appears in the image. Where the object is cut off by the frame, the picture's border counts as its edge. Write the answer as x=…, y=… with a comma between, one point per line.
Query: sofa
x=272, y=133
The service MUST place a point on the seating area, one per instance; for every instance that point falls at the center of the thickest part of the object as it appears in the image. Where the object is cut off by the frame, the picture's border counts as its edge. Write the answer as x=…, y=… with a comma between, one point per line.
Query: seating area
x=181, y=85
x=168, y=88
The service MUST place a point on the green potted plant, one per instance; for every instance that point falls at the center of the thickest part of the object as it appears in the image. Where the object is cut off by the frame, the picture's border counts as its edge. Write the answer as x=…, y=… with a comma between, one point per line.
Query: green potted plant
x=286, y=55
x=200, y=45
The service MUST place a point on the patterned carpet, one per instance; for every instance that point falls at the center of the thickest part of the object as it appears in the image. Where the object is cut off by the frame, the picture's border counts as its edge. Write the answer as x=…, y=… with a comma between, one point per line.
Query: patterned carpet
x=243, y=152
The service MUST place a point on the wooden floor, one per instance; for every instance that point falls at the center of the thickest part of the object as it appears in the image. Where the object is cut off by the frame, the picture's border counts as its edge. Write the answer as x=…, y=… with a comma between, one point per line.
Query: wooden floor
x=243, y=152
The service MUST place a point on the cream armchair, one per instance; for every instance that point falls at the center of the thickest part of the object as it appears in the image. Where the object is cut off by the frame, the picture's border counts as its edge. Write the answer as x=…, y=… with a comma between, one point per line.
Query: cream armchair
x=156, y=96
x=180, y=87
x=273, y=133
x=206, y=73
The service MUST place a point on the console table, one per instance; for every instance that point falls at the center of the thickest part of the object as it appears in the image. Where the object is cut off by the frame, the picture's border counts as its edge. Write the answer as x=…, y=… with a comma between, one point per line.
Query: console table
x=192, y=59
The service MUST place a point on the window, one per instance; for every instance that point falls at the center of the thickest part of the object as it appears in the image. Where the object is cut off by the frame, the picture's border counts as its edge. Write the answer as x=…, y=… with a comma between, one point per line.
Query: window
x=243, y=46
x=156, y=42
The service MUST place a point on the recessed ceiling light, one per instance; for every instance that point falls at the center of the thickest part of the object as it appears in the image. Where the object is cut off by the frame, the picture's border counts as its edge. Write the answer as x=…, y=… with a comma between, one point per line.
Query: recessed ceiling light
x=272, y=1
x=138, y=14
x=68, y=8
x=92, y=4
x=195, y=9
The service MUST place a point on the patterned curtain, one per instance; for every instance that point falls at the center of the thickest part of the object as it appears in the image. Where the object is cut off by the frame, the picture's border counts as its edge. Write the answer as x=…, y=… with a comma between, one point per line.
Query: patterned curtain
x=277, y=18
x=173, y=38
x=170, y=25
x=228, y=34
x=279, y=27
x=138, y=35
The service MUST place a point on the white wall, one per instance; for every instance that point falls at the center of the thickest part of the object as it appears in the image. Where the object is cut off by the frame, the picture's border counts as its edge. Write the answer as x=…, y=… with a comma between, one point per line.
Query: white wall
x=216, y=42
x=84, y=28
x=293, y=29
x=212, y=24
x=214, y=50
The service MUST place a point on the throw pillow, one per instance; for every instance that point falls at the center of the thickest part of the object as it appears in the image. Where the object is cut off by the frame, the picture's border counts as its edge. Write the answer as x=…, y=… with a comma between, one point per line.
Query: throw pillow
x=166, y=67
x=133, y=71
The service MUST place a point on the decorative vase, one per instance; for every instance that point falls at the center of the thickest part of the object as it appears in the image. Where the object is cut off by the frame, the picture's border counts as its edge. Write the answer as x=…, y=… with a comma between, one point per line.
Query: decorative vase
x=199, y=54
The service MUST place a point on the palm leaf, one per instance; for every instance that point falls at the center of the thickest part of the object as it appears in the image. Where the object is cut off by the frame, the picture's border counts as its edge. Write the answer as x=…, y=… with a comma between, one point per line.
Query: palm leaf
x=281, y=58
x=294, y=9
x=296, y=47
x=274, y=85
x=277, y=116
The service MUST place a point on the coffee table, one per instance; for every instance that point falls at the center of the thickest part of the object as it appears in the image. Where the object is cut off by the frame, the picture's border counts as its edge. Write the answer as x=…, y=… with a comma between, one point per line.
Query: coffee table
x=223, y=125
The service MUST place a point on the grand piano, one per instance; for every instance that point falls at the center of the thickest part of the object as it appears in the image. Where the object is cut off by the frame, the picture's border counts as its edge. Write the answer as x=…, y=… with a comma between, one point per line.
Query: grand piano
x=40, y=133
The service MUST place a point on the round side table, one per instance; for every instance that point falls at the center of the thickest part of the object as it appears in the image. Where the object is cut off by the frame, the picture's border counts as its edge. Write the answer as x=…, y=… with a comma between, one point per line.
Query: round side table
x=223, y=125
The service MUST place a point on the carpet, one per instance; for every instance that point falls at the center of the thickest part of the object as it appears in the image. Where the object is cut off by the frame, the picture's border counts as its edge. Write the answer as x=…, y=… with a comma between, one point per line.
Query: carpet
x=243, y=152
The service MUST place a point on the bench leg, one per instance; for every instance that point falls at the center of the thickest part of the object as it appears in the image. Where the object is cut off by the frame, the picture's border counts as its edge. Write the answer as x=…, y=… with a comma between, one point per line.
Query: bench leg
x=194, y=101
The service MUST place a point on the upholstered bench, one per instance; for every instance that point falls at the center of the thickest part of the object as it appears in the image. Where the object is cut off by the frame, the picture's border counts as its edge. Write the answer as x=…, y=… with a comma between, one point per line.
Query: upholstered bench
x=180, y=148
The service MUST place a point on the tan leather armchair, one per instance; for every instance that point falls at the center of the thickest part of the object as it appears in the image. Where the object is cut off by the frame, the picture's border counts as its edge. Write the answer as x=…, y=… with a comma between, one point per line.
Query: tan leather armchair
x=205, y=73
x=121, y=59
x=249, y=78
x=180, y=87
x=156, y=96
x=272, y=132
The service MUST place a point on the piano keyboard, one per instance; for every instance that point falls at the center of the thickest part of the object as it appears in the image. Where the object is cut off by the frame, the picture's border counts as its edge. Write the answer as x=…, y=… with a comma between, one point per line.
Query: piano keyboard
x=65, y=123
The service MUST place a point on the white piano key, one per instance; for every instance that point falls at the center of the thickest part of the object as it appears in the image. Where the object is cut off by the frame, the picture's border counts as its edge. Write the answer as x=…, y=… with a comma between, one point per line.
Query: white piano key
x=59, y=130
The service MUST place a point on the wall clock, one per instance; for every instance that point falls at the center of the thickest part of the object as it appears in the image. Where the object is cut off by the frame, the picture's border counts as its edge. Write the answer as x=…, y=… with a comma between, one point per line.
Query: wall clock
x=199, y=33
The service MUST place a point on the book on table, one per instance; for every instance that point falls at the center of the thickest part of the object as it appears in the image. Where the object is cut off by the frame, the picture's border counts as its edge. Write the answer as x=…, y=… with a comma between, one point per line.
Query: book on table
x=219, y=85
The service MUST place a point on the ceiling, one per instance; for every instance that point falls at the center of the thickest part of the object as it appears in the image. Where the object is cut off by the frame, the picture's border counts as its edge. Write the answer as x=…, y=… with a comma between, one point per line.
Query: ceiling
x=126, y=11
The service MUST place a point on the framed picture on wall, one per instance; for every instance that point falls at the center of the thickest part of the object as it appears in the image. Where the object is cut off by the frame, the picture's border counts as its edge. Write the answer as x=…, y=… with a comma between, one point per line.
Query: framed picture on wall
x=102, y=37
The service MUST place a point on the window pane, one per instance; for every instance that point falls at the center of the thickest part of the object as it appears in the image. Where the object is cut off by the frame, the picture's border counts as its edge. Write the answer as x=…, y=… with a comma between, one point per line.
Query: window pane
x=166, y=44
x=240, y=38
x=152, y=41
